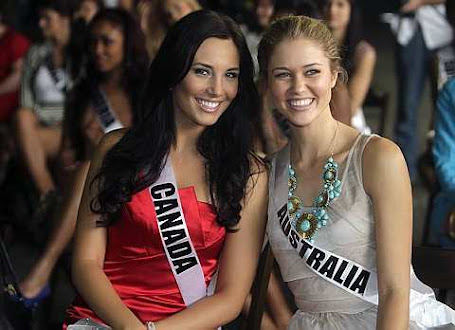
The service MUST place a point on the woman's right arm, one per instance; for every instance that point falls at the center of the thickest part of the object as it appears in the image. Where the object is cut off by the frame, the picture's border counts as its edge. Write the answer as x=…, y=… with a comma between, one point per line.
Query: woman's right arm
x=88, y=255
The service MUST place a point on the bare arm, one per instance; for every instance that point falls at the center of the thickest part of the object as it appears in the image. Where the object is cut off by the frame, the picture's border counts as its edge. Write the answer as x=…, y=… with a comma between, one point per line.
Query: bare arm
x=413, y=5
x=386, y=181
x=89, y=251
x=12, y=82
x=237, y=268
x=360, y=80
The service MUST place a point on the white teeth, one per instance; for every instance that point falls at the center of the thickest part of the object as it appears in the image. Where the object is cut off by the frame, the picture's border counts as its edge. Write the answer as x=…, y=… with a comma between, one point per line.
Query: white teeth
x=208, y=104
x=300, y=102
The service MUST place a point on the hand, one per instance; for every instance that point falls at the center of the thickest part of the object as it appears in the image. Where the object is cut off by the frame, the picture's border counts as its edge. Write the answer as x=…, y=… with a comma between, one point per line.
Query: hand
x=411, y=5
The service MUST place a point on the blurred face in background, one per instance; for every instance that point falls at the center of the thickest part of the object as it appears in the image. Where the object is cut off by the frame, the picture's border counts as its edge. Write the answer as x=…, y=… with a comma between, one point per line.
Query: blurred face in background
x=52, y=23
x=87, y=10
x=264, y=12
x=337, y=13
x=176, y=9
x=127, y=5
x=107, y=46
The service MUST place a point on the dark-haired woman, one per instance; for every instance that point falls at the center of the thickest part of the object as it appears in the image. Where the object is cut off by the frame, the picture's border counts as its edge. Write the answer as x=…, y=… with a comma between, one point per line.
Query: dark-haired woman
x=180, y=195
x=103, y=100
x=358, y=57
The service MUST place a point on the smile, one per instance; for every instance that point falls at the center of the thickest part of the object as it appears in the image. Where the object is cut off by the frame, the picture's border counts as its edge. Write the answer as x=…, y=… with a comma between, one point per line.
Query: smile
x=209, y=106
x=300, y=104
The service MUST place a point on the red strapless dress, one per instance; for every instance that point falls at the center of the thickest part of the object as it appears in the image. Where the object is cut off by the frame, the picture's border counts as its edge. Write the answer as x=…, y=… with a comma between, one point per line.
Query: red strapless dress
x=136, y=264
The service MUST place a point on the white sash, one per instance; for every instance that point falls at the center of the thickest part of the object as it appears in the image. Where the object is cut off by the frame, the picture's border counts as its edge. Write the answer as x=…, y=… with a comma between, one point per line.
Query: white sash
x=346, y=274
x=105, y=115
x=175, y=237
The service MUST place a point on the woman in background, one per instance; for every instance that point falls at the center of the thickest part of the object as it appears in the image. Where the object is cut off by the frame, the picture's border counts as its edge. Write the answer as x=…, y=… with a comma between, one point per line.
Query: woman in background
x=104, y=99
x=358, y=56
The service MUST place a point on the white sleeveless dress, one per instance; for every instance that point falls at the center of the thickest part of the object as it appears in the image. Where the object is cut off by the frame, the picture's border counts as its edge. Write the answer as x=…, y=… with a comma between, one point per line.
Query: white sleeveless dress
x=350, y=232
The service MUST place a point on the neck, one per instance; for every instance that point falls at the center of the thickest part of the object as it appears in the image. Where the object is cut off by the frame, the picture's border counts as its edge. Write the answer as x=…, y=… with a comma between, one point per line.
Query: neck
x=113, y=78
x=339, y=35
x=62, y=38
x=314, y=141
x=186, y=138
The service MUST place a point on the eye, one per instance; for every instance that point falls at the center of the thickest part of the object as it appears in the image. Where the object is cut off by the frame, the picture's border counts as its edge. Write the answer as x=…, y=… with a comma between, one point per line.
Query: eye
x=311, y=72
x=282, y=75
x=232, y=75
x=201, y=72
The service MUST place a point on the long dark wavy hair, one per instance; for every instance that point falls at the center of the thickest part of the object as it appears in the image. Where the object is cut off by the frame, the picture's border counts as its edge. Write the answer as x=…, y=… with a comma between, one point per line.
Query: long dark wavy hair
x=353, y=35
x=133, y=81
x=137, y=160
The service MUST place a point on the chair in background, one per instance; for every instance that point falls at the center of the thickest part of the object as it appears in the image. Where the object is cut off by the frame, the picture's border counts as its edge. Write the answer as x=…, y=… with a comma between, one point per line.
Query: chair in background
x=436, y=268
x=259, y=291
x=380, y=101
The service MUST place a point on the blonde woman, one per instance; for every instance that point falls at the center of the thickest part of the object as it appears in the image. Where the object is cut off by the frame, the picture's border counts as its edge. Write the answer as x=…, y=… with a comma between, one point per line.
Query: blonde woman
x=343, y=243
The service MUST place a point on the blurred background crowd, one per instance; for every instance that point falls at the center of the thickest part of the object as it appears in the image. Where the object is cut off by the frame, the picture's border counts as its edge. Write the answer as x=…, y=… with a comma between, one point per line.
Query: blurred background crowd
x=72, y=70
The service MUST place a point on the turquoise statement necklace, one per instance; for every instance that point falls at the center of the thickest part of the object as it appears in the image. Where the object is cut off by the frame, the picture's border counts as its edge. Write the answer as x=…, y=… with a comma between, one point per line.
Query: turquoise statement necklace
x=308, y=220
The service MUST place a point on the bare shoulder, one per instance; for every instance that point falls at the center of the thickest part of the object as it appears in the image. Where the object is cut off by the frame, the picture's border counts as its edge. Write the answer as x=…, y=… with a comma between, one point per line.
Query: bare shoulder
x=381, y=150
x=382, y=163
x=110, y=139
x=364, y=50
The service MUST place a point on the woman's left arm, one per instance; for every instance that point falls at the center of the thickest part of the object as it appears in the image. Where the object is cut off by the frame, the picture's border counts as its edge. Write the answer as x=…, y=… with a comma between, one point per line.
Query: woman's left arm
x=360, y=80
x=386, y=181
x=237, y=267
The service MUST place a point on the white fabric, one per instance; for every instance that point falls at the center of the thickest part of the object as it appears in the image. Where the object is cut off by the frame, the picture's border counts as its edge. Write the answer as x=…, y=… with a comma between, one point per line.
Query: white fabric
x=45, y=89
x=359, y=122
x=436, y=30
x=190, y=279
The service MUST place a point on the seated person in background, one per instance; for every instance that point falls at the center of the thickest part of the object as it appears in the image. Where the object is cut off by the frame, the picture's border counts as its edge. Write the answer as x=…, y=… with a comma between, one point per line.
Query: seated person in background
x=442, y=219
x=45, y=81
x=358, y=56
x=103, y=100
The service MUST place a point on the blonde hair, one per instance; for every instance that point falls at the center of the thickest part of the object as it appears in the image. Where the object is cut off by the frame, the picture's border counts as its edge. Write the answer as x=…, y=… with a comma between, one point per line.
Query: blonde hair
x=294, y=27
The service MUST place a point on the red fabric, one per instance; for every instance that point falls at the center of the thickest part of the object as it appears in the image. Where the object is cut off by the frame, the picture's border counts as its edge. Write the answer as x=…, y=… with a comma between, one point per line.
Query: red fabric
x=13, y=46
x=136, y=264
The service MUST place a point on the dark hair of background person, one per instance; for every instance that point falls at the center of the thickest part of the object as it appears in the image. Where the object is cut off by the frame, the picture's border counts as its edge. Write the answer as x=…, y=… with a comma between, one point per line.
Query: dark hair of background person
x=450, y=10
x=135, y=65
x=136, y=161
x=296, y=7
x=63, y=7
x=77, y=48
x=353, y=35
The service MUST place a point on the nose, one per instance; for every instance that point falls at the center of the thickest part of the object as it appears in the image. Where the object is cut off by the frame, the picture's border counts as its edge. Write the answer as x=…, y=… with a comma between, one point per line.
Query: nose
x=215, y=86
x=98, y=47
x=298, y=84
x=42, y=23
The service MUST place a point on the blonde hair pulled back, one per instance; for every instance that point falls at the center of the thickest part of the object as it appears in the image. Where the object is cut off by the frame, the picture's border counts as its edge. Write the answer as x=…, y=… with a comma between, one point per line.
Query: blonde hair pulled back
x=295, y=27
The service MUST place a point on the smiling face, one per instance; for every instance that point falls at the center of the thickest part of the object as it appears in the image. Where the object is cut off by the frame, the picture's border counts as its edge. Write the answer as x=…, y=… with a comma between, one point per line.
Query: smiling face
x=300, y=79
x=210, y=85
x=338, y=13
x=107, y=46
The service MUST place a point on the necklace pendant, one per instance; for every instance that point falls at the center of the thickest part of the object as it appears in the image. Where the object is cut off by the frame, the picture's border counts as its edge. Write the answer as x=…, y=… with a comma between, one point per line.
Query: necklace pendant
x=306, y=225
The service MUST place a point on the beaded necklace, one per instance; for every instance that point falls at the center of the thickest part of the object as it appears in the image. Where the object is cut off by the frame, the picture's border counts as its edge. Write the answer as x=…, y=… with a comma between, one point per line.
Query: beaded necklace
x=308, y=222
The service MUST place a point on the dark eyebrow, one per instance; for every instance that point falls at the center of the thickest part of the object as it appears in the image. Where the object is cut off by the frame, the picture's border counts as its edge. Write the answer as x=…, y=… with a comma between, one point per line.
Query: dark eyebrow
x=305, y=66
x=208, y=66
